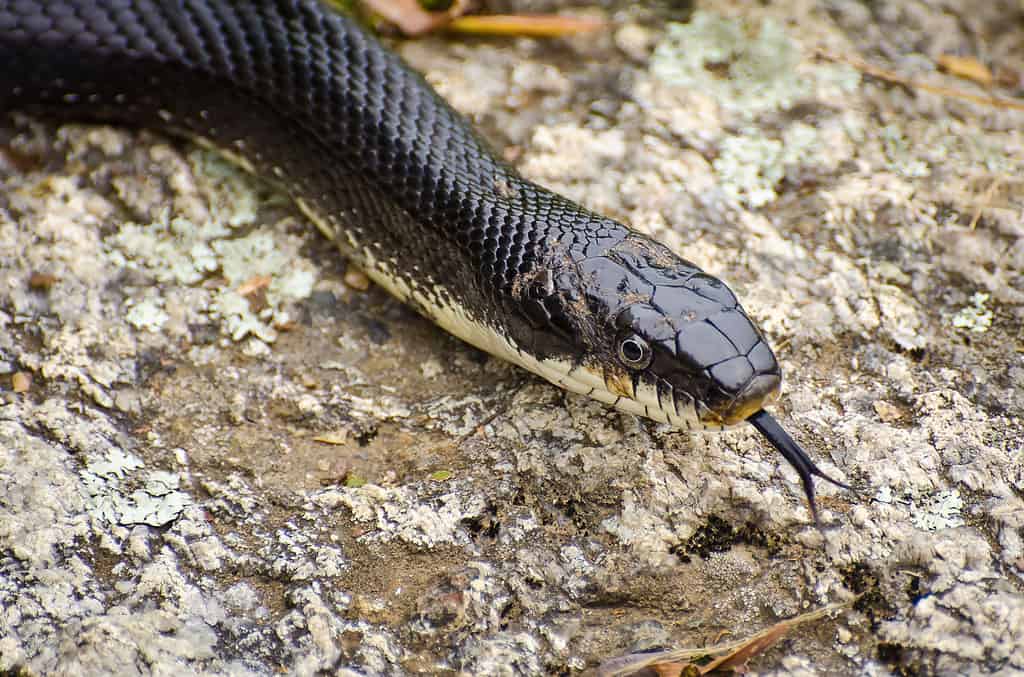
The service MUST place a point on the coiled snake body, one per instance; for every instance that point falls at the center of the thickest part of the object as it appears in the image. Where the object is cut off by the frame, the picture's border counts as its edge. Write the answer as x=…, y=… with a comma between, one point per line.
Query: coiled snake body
x=400, y=181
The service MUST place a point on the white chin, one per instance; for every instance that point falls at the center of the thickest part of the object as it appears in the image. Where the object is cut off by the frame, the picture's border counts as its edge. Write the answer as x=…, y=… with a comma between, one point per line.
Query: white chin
x=646, y=403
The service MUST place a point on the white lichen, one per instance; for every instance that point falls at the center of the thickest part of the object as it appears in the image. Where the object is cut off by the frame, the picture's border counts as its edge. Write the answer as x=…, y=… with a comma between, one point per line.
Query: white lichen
x=180, y=250
x=975, y=317
x=944, y=510
x=751, y=165
x=119, y=491
x=147, y=314
x=745, y=73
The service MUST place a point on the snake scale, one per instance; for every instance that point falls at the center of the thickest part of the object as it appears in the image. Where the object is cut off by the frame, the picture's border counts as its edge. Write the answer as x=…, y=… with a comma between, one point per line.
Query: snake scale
x=301, y=95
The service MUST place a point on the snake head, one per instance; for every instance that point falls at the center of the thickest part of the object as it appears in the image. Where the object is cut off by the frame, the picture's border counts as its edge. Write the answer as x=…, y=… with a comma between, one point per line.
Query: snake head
x=636, y=326
x=649, y=332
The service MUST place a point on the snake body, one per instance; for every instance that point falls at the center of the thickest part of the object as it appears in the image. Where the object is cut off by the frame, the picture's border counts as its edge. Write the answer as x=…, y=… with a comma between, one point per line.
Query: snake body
x=383, y=166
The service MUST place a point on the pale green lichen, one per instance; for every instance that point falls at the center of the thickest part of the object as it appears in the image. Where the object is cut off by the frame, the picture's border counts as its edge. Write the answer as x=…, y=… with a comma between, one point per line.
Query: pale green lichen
x=158, y=503
x=113, y=493
x=745, y=74
x=179, y=250
x=750, y=165
x=259, y=254
x=975, y=317
x=115, y=464
x=147, y=315
x=171, y=249
x=913, y=149
x=747, y=71
x=941, y=510
x=944, y=510
x=238, y=319
x=981, y=149
x=229, y=192
x=902, y=157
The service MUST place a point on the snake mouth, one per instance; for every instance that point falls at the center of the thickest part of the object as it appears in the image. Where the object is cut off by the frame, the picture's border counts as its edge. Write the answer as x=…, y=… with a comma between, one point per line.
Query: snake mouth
x=758, y=393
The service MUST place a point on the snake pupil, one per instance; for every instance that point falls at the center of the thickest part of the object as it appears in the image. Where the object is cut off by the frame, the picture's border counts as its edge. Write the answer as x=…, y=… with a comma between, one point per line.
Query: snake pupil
x=635, y=352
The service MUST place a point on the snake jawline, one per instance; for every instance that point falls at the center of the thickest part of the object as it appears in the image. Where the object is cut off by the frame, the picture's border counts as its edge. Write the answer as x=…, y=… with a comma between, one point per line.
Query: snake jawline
x=575, y=377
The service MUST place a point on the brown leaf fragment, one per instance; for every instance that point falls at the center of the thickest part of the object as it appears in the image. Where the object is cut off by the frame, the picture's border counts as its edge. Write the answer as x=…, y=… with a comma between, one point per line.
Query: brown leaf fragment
x=1009, y=78
x=887, y=412
x=735, y=654
x=410, y=18
x=21, y=381
x=356, y=279
x=966, y=67
x=986, y=200
x=759, y=643
x=333, y=437
x=12, y=160
x=254, y=284
x=668, y=669
x=41, y=281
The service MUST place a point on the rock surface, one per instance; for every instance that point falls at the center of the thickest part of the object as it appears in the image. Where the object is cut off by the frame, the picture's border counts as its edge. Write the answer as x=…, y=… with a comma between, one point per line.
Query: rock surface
x=218, y=458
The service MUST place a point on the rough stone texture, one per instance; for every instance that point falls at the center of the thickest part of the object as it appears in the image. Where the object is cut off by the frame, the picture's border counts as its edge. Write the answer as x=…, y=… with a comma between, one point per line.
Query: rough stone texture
x=307, y=477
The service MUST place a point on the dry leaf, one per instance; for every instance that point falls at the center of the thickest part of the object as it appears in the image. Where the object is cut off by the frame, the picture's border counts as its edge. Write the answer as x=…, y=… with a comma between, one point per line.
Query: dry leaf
x=253, y=284
x=668, y=669
x=356, y=279
x=42, y=281
x=759, y=643
x=21, y=381
x=335, y=437
x=735, y=654
x=966, y=67
x=887, y=412
x=412, y=19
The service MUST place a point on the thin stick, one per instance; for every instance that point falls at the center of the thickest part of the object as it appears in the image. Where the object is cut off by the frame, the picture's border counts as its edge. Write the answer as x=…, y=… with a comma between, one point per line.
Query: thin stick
x=737, y=652
x=986, y=199
x=889, y=76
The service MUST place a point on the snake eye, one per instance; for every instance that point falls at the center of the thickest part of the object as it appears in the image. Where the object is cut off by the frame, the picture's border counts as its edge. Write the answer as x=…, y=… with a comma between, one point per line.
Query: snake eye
x=634, y=352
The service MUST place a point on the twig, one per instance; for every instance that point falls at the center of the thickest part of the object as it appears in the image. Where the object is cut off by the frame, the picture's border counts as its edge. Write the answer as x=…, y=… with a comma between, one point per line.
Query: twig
x=986, y=199
x=735, y=653
x=536, y=26
x=889, y=76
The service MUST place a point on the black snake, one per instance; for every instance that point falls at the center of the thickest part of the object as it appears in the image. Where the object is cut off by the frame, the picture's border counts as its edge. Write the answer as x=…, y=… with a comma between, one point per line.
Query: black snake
x=369, y=152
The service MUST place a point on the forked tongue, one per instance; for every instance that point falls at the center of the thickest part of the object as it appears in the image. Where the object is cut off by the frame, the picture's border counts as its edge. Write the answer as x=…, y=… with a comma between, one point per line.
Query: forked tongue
x=796, y=456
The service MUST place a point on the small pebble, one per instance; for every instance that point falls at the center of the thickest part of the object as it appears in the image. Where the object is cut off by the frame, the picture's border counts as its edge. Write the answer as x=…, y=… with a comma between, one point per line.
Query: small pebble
x=356, y=279
x=887, y=412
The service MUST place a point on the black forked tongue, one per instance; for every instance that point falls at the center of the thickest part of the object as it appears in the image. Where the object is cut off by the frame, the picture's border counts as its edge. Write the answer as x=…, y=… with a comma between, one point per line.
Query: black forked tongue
x=796, y=456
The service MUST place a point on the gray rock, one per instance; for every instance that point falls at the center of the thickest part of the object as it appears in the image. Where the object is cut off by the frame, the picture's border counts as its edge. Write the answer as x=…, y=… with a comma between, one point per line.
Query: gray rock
x=197, y=482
